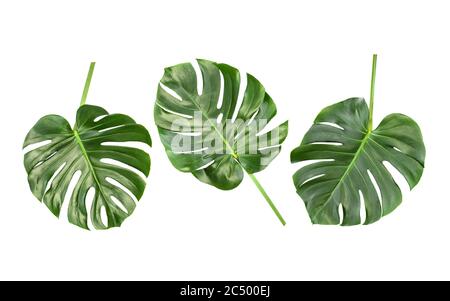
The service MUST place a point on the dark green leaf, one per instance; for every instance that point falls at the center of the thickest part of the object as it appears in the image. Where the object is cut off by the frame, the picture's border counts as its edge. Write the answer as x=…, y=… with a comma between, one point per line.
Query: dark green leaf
x=209, y=135
x=347, y=151
x=51, y=167
x=218, y=164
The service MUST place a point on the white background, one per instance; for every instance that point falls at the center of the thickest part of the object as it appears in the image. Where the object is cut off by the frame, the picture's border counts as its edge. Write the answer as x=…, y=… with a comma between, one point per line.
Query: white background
x=308, y=54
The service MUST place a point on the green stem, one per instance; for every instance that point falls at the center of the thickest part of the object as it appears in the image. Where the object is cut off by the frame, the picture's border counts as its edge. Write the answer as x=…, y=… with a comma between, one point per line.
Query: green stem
x=372, y=90
x=236, y=157
x=90, y=166
x=87, y=84
x=269, y=201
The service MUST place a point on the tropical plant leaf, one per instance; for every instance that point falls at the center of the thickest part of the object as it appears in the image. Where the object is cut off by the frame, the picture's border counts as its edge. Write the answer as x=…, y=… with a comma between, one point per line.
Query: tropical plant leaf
x=52, y=166
x=349, y=154
x=217, y=147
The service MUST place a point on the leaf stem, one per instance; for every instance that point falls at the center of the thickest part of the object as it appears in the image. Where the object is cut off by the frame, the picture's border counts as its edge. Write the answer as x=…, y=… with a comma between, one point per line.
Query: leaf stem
x=87, y=84
x=372, y=90
x=236, y=157
x=269, y=201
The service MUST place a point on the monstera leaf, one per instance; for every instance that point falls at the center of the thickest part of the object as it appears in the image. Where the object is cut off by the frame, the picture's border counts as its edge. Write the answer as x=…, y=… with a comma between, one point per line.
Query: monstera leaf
x=52, y=166
x=349, y=154
x=207, y=134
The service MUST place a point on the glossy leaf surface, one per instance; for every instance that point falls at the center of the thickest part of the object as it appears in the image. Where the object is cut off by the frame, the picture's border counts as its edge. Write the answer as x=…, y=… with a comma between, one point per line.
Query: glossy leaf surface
x=349, y=156
x=84, y=148
x=220, y=138
x=218, y=164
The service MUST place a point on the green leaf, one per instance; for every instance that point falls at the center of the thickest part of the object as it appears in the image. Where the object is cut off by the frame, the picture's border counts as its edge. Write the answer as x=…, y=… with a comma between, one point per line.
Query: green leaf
x=348, y=150
x=52, y=166
x=216, y=148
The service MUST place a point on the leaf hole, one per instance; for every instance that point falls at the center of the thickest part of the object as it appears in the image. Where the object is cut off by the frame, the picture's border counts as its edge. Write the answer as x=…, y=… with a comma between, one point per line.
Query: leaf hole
x=332, y=125
x=55, y=174
x=104, y=216
x=341, y=213
x=193, y=134
x=221, y=92
x=198, y=74
x=36, y=145
x=111, y=128
x=46, y=159
x=65, y=205
x=240, y=98
x=206, y=165
x=252, y=118
x=247, y=124
x=122, y=187
x=219, y=118
x=175, y=113
x=124, y=166
x=119, y=204
x=264, y=128
x=88, y=203
x=327, y=143
x=377, y=188
x=312, y=161
x=312, y=178
x=265, y=148
x=97, y=119
x=170, y=92
x=399, y=179
x=362, y=208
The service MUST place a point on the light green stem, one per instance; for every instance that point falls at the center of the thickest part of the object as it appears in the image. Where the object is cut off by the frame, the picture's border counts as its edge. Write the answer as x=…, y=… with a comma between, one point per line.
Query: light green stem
x=372, y=90
x=236, y=157
x=269, y=201
x=87, y=84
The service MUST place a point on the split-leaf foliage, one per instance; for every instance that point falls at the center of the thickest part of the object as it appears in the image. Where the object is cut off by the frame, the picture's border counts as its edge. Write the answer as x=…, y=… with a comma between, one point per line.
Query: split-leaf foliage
x=349, y=154
x=52, y=166
x=224, y=170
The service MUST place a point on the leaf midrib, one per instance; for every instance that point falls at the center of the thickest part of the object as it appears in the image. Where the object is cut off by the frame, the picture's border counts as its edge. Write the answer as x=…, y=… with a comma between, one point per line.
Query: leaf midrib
x=89, y=164
x=350, y=167
x=233, y=153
